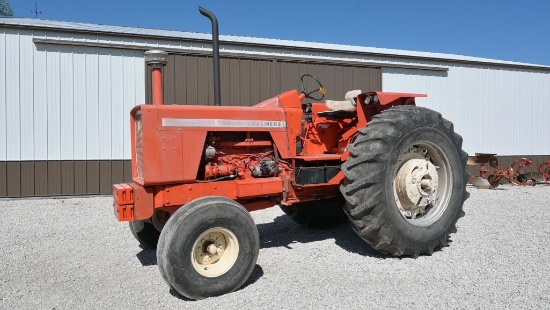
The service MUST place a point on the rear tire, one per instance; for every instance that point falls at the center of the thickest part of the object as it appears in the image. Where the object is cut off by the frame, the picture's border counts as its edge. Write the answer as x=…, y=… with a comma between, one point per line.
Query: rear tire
x=405, y=181
x=208, y=247
x=318, y=213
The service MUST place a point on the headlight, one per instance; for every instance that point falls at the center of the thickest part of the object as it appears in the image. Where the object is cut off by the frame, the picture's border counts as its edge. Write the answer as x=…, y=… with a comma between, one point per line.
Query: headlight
x=367, y=100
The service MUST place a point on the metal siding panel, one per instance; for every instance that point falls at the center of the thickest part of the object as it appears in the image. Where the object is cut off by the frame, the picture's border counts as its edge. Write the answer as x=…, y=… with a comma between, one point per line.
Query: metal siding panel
x=13, y=169
x=67, y=177
x=286, y=71
x=375, y=78
x=266, y=81
x=485, y=97
x=105, y=103
x=368, y=78
x=204, y=70
x=118, y=110
x=129, y=89
x=543, y=112
x=276, y=87
x=92, y=177
x=3, y=178
x=105, y=177
x=139, y=79
x=41, y=178
x=80, y=177
x=245, y=82
x=347, y=79
x=527, y=103
x=127, y=164
x=475, y=98
x=13, y=112
x=67, y=102
x=117, y=172
x=277, y=78
x=27, y=178
x=337, y=79
x=92, y=103
x=3, y=103
x=169, y=80
x=262, y=81
x=40, y=103
x=180, y=77
x=361, y=81
x=256, y=81
x=225, y=83
x=26, y=93
x=337, y=75
x=54, y=177
x=235, y=83
x=191, y=87
x=358, y=81
x=53, y=93
x=80, y=103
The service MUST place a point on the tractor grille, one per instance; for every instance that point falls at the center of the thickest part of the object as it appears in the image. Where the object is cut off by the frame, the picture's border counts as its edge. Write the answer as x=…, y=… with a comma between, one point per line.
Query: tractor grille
x=139, y=145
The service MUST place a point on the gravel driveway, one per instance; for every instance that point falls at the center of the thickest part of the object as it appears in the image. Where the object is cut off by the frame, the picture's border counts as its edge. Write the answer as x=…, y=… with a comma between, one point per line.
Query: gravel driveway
x=73, y=254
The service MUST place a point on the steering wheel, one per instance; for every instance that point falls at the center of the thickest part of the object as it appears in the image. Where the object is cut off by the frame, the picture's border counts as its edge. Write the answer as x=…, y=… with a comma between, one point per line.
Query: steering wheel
x=308, y=93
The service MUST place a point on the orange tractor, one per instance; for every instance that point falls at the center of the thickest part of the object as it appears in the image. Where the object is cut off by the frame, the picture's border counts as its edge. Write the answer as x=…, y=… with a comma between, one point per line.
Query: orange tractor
x=394, y=170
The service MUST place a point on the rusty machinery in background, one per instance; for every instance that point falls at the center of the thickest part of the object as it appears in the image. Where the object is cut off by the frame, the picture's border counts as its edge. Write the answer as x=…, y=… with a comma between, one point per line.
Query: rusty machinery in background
x=519, y=172
x=544, y=170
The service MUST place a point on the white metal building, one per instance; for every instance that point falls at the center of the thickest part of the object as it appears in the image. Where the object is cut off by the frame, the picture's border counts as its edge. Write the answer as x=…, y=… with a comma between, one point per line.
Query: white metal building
x=66, y=90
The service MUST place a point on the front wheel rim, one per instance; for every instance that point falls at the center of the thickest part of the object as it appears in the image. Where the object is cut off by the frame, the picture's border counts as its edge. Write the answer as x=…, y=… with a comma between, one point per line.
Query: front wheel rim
x=422, y=184
x=214, y=252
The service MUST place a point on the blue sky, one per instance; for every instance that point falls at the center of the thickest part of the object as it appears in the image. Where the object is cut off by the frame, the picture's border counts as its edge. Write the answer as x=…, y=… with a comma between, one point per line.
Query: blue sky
x=499, y=29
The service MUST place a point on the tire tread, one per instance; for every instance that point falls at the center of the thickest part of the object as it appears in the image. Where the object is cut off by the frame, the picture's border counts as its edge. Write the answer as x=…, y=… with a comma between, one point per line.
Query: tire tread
x=365, y=171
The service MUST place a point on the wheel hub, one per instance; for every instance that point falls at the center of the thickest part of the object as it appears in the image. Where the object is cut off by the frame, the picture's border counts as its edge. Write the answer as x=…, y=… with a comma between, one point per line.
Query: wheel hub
x=416, y=186
x=209, y=248
x=215, y=252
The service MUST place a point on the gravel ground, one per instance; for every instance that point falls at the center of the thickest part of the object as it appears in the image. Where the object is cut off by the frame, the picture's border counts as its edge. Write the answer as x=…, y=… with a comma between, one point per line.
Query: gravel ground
x=73, y=254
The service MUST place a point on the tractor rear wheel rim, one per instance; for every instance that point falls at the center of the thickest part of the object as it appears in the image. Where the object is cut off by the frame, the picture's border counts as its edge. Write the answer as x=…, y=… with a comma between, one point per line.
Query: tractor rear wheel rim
x=423, y=182
x=214, y=252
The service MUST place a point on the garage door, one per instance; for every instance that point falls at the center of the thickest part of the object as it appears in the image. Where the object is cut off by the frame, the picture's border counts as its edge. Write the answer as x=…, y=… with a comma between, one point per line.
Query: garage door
x=245, y=82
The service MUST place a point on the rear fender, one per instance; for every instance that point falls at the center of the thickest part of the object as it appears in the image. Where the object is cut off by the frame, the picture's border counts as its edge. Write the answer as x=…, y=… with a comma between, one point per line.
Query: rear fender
x=393, y=99
x=373, y=103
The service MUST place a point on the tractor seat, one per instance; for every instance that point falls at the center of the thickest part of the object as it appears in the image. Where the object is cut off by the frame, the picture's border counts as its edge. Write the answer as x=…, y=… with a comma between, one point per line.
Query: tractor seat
x=341, y=109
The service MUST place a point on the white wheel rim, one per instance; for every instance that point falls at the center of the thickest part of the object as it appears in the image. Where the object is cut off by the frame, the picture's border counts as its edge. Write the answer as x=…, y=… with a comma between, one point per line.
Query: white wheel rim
x=214, y=252
x=422, y=185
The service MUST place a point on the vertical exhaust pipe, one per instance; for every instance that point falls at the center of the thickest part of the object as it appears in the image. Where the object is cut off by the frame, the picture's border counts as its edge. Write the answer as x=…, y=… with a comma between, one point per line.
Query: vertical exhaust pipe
x=156, y=60
x=216, y=53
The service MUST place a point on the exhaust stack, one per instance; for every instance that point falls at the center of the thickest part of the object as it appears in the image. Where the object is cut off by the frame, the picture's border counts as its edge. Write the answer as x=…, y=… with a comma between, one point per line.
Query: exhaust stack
x=216, y=53
x=156, y=60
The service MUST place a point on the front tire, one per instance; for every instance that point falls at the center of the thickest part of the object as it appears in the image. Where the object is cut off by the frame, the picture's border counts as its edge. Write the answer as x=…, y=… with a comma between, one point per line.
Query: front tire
x=208, y=247
x=405, y=182
x=145, y=232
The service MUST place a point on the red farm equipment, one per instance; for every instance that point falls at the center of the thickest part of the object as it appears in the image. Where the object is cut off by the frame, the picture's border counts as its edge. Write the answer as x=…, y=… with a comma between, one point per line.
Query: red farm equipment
x=395, y=171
